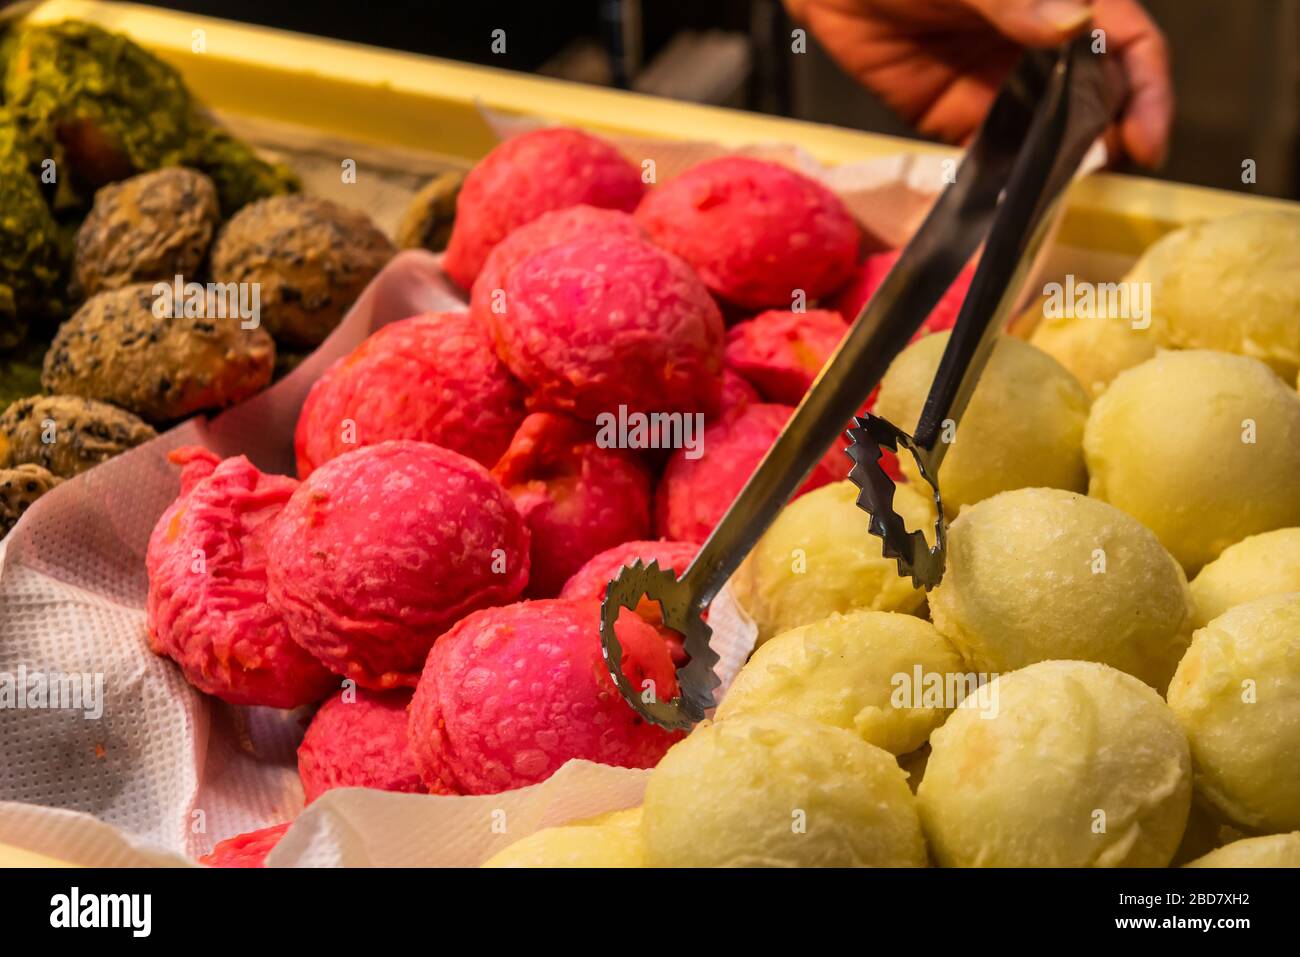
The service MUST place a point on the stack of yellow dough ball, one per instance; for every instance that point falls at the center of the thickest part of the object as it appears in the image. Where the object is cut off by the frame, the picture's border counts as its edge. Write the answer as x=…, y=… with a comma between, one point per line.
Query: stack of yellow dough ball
x=1274, y=850
x=818, y=558
x=1256, y=567
x=1041, y=573
x=1232, y=285
x=1074, y=701
x=610, y=840
x=779, y=791
x=1023, y=427
x=865, y=672
x=1203, y=448
x=1237, y=695
x=1096, y=349
x=1077, y=765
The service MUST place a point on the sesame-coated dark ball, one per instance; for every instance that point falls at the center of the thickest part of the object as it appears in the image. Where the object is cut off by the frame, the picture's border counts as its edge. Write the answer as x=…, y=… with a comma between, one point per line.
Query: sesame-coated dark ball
x=161, y=368
x=66, y=433
x=150, y=227
x=310, y=256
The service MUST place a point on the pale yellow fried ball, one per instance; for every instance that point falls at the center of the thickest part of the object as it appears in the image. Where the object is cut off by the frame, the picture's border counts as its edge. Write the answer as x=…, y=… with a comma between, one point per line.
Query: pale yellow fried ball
x=856, y=671
x=1203, y=833
x=610, y=840
x=1275, y=850
x=1024, y=425
x=1256, y=567
x=629, y=817
x=1237, y=695
x=1232, y=284
x=818, y=558
x=779, y=791
x=1040, y=573
x=1094, y=350
x=1079, y=765
x=1201, y=447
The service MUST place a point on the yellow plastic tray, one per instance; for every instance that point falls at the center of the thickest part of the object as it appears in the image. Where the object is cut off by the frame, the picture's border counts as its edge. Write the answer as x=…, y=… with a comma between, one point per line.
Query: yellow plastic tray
x=418, y=102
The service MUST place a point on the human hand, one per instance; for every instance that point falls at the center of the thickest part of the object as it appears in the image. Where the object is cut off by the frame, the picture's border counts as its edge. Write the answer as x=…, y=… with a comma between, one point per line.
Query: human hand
x=939, y=63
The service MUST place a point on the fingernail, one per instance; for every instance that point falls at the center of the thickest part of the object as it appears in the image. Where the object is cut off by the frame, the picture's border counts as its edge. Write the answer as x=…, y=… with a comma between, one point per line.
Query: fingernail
x=1063, y=14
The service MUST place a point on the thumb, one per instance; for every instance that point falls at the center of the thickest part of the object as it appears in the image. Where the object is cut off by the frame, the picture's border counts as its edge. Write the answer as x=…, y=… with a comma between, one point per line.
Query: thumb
x=1034, y=23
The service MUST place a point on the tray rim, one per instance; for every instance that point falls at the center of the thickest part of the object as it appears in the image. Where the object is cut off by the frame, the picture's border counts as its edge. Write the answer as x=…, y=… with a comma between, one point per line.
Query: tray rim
x=436, y=106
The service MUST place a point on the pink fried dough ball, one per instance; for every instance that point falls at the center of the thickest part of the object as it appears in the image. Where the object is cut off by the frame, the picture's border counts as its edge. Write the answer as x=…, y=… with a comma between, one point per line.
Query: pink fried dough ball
x=433, y=378
x=547, y=230
x=358, y=740
x=607, y=321
x=381, y=549
x=246, y=850
x=755, y=231
x=526, y=176
x=868, y=277
x=780, y=353
x=576, y=498
x=207, y=607
x=736, y=391
x=593, y=578
x=510, y=694
x=694, y=494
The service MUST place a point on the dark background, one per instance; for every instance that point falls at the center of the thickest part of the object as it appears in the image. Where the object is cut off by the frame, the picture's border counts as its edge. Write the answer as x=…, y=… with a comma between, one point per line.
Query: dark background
x=1236, y=62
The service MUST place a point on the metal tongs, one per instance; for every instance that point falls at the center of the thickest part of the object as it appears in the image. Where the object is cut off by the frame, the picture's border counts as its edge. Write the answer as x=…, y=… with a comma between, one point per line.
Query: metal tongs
x=1043, y=122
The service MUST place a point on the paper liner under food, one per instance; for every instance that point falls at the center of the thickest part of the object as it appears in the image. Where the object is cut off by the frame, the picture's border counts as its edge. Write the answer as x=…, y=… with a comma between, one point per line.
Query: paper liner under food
x=167, y=771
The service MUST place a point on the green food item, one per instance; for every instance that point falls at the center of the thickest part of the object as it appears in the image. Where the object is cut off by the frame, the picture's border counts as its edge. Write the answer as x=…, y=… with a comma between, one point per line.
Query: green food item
x=102, y=107
x=31, y=264
x=105, y=109
x=8, y=40
x=241, y=176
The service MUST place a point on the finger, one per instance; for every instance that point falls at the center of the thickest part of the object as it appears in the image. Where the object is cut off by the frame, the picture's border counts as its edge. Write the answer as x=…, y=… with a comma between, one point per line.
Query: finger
x=1149, y=112
x=1035, y=23
x=957, y=112
x=1144, y=55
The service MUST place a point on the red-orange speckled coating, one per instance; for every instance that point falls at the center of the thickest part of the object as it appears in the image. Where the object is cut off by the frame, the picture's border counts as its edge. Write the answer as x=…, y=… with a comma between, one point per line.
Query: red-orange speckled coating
x=207, y=607
x=591, y=580
x=755, y=231
x=782, y=352
x=605, y=321
x=358, y=740
x=548, y=229
x=526, y=176
x=694, y=494
x=577, y=498
x=868, y=277
x=510, y=694
x=433, y=377
x=736, y=391
x=246, y=850
x=381, y=549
